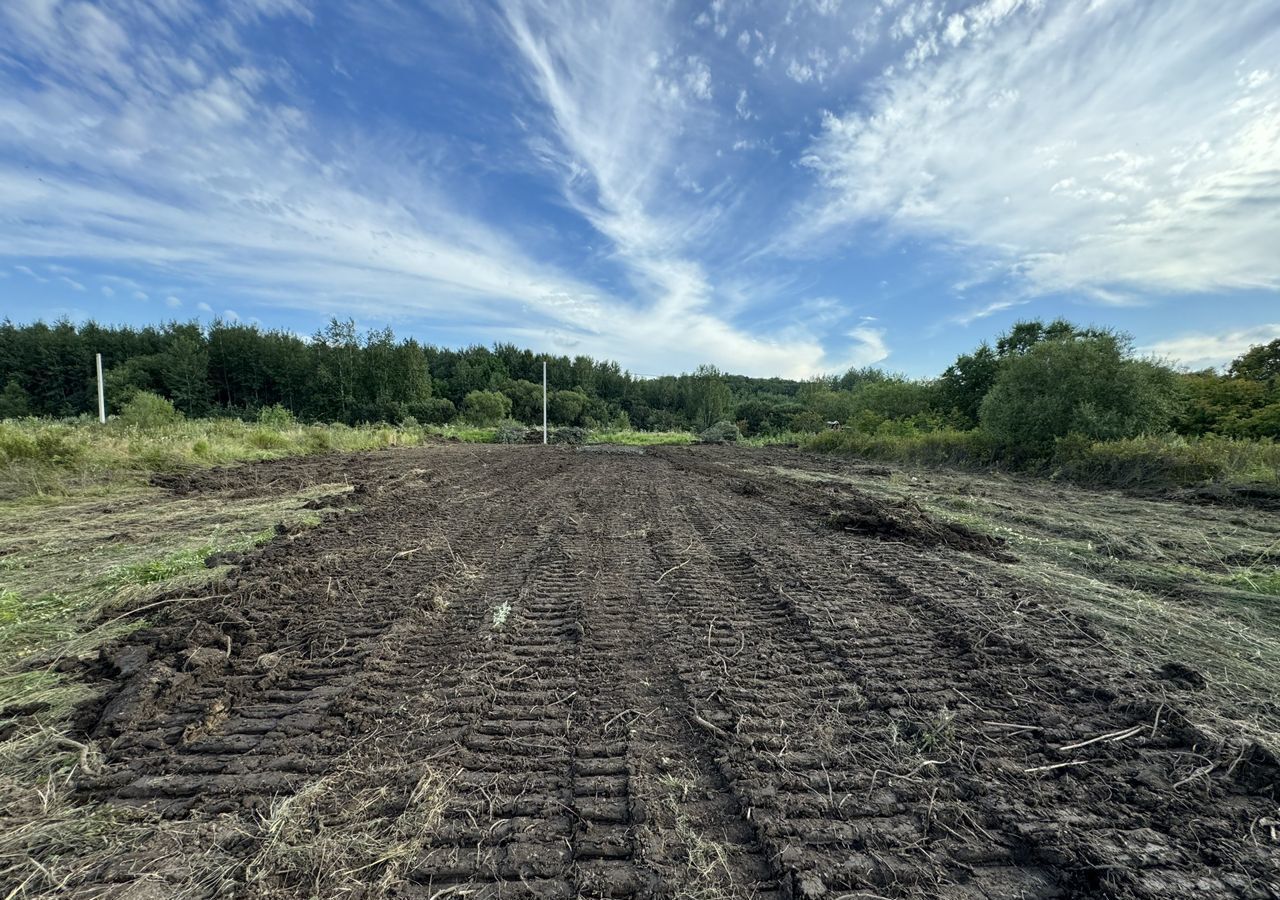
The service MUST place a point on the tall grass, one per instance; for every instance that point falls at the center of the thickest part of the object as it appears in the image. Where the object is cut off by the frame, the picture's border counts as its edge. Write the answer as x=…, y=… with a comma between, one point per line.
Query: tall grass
x=1147, y=462
x=40, y=457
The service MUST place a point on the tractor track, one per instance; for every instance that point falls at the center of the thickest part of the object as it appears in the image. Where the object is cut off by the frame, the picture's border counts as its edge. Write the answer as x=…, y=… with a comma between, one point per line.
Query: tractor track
x=543, y=673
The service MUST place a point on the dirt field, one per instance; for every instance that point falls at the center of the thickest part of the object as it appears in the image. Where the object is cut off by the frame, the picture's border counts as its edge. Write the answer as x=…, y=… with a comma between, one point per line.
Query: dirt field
x=554, y=673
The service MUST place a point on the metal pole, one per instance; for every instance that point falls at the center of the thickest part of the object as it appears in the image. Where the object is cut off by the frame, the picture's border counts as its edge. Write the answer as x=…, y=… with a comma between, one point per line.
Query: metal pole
x=544, y=401
x=102, y=400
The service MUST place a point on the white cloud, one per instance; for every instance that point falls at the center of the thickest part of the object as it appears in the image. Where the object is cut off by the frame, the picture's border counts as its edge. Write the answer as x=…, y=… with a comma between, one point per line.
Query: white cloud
x=1087, y=146
x=231, y=315
x=1199, y=351
x=71, y=283
x=108, y=291
x=193, y=160
x=204, y=307
x=869, y=346
x=172, y=302
x=698, y=79
x=622, y=135
x=799, y=72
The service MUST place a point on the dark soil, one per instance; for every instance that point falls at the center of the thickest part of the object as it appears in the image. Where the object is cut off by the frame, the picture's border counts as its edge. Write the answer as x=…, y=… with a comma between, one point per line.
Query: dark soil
x=840, y=712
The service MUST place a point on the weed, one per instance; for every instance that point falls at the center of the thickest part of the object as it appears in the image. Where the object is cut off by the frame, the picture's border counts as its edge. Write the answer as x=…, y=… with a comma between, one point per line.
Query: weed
x=500, y=614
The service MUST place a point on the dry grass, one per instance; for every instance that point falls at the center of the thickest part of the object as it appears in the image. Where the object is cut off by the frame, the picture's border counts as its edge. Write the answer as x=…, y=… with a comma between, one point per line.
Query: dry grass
x=353, y=832
x=71, y=570
x=1166, y=581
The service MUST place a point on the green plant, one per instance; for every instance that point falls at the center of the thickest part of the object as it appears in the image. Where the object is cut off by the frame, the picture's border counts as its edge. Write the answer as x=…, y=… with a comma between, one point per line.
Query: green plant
x=1085, y=385
x=275, y=416
x=486, y=407
x=148, y=410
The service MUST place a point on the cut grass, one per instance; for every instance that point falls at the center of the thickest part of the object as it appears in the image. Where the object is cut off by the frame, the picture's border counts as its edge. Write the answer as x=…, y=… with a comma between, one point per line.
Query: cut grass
x=1168, y=582
x=70, y=568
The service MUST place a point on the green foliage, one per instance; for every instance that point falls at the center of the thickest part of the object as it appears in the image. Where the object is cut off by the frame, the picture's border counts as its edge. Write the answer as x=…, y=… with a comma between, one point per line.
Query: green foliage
x=14, y=401
x=1166, y=460
x=486, y=407
x=433, y=411
x=966, y=382
x=526, y=400
x=566, y=407
x=942, y=447
x=1085, y=385
x=148, y=410
x=157, y=570
x=275, y=416
x=1260, y=363
x=707, y=397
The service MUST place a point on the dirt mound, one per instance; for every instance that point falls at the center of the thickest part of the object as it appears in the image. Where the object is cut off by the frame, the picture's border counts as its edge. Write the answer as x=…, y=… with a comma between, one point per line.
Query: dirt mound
x=860, y=514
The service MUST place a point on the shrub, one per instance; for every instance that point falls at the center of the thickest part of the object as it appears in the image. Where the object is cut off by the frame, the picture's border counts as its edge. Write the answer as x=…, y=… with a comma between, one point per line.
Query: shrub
x=53, y=445
x=434, y=410
x=275, y=416
x=16, y=444
x=486, y=407
x=722, y=432
x=1078, y=385
x=148, y=410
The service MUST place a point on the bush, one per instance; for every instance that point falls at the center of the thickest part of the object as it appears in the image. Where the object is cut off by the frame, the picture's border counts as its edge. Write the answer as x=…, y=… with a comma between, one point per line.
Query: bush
x=1077, y=385
x=433, y=411
x=486, y=407
x=16, y=444
x=1166, y=461
x=148, y=410
x=54, y=445
x=946, y=446
x=722, y=432
x=275, y=416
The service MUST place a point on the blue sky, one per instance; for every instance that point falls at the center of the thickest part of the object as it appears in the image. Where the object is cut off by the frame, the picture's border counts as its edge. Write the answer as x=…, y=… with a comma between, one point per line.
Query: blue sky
x=776, y=188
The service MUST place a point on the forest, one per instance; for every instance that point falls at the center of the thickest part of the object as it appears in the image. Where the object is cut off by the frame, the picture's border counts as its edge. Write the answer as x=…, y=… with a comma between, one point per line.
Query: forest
x=1024, y=393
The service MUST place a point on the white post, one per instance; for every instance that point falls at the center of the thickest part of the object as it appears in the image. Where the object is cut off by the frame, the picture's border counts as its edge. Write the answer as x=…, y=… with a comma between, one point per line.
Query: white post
x=544, y=401
x=102, y=400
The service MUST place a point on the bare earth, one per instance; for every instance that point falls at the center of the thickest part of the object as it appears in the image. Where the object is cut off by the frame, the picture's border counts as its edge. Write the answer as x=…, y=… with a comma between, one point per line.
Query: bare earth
x=541, y=672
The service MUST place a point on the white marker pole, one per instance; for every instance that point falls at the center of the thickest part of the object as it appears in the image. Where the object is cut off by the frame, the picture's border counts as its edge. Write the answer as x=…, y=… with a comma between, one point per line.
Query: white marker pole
x=102, y=400
x=544, y=401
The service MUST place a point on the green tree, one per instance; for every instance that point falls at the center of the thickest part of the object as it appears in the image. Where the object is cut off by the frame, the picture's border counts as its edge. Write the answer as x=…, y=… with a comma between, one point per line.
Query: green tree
x=486, y=407
x=526, y=400
x=1086, y=385
x=566, y=407
x=966, y=382
x=707, y=397
x=1260, y=363
x=184, y=368
x=14, y=402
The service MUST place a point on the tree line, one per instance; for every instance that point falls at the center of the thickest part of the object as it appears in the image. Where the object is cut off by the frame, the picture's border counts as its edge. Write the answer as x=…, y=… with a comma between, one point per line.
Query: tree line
x=1033, y=385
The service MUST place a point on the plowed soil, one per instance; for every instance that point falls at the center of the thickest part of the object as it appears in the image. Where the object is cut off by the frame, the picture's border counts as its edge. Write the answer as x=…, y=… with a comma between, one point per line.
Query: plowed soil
x=535, y=672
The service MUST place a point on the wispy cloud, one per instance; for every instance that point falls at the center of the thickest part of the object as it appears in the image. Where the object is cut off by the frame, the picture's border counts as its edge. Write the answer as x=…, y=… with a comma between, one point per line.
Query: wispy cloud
x=1094, y=147
x=625, y=108
x=1200, y=351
